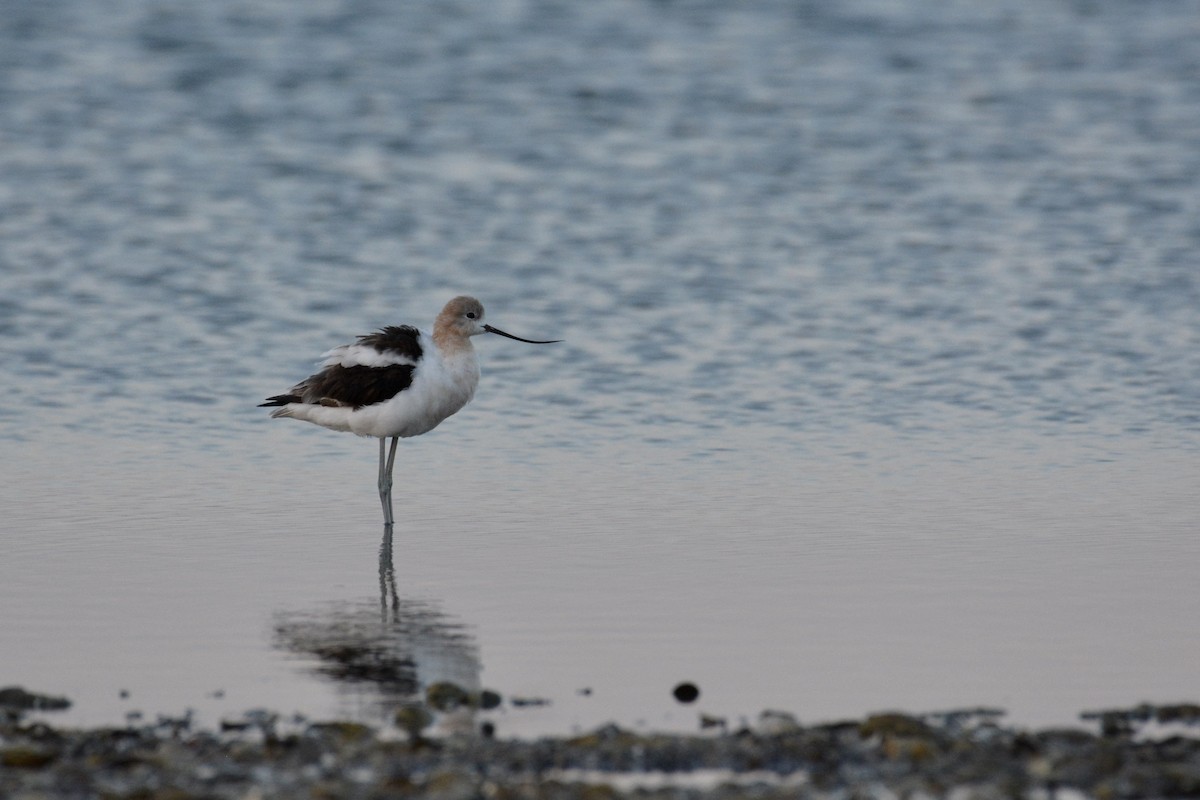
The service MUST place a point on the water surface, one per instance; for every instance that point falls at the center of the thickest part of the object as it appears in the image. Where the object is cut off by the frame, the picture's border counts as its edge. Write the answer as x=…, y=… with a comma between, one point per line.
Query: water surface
x=880, y=385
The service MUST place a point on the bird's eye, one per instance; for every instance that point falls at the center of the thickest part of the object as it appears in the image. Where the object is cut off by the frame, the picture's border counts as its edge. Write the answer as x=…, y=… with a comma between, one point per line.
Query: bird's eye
x=470, y=315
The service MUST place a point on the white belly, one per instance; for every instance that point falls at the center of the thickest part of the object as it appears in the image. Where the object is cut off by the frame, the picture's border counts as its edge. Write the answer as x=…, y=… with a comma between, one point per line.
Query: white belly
x=414, y=411
x=440, y=387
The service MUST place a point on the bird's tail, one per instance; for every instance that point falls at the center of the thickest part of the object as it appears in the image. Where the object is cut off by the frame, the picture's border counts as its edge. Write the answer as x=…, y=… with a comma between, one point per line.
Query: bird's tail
x=280, y=403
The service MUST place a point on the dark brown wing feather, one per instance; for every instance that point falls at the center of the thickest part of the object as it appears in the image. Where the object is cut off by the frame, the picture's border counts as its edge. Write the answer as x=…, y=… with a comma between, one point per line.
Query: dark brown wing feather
x=402, y=339
x=356, y=386
x=280, y=400
x=359, y=386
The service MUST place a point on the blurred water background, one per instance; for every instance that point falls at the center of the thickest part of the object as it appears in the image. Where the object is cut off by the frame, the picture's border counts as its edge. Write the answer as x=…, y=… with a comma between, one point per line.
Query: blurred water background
x=881, y=386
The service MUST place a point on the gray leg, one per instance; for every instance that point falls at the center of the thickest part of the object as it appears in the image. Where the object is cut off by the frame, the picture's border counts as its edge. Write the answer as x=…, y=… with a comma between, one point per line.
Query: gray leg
x=385, y=478
x=387, y=577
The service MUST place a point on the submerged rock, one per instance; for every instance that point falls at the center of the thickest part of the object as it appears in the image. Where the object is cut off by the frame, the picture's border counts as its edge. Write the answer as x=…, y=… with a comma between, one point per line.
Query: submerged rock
x=447, y=696
x=16, y=700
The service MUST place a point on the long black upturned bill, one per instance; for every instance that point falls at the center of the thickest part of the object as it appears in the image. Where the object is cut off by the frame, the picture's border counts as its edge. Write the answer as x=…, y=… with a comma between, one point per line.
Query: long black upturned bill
x=490, y=329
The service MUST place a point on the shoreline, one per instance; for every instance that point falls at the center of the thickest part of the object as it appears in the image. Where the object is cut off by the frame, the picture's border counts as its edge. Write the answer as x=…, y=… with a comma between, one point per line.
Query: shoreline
x=1146, y=751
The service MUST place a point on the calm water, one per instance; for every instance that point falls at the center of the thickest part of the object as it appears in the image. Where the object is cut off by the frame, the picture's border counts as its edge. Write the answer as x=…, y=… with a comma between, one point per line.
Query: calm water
x=881, y=386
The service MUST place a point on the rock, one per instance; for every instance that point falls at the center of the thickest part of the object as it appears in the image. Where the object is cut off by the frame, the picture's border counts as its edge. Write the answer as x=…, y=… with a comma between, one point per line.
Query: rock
x=895, y=724
x=686, y=692
x=450, y=785
x=1187, y=713
x=777, y=723
x=489, y=699
x=26, y=757
x=15, y=698
x=446, y=696
x=413, y=719
x=345, y=731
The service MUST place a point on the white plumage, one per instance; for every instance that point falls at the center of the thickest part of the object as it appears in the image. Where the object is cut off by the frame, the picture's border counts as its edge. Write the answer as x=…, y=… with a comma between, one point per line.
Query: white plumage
x=441, y=385
x=395, y=383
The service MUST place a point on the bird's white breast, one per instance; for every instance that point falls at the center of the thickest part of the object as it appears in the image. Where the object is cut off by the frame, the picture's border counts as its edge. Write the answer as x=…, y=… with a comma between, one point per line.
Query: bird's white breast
x=442, y=384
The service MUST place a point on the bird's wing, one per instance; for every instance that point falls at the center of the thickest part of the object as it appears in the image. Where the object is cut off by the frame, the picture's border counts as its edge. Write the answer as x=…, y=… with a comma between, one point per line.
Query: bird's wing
x=355, y=386
x=395, y=344
x=375, y=368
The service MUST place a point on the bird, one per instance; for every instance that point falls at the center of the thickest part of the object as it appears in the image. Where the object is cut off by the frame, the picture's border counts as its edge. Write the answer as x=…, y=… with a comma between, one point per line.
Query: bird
x=395, y=383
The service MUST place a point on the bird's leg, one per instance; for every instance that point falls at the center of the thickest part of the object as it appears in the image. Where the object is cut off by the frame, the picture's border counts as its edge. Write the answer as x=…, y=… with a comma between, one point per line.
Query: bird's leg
x=387, y=576
x=391, y=462
x=383, y=489
x=385, y=478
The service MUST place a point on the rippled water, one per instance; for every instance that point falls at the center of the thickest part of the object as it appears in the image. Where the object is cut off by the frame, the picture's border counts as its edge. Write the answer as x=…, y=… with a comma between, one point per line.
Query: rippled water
x=880, y=387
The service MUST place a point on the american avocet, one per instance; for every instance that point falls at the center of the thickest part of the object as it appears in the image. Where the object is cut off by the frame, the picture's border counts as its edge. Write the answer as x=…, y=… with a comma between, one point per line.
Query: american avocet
x=395, y=383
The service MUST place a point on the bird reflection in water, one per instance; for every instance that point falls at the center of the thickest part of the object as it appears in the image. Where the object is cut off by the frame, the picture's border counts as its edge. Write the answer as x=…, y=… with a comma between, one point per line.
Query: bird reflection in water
x=391, y=658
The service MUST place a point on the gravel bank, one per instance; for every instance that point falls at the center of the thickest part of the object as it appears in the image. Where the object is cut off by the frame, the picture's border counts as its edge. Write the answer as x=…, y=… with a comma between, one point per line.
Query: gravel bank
x=962, y=755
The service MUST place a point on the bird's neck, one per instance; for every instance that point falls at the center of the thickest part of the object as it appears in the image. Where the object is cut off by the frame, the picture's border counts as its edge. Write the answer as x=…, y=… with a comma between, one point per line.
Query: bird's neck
x=452, y=344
